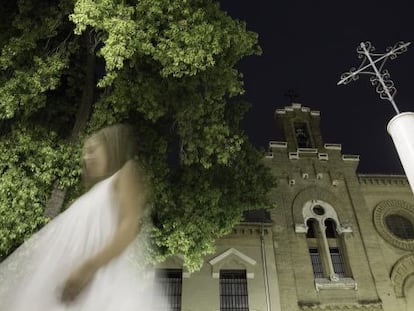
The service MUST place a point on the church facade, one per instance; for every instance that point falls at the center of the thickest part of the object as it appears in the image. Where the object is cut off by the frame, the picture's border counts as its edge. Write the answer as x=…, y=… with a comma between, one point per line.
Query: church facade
x=333, y=239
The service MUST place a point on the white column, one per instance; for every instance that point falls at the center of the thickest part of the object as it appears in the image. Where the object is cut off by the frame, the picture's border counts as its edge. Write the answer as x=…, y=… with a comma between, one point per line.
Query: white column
x=401, y=129
x=327, y=254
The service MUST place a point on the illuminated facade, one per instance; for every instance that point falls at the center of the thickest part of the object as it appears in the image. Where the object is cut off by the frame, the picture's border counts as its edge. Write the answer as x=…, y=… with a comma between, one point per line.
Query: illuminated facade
x=332, y=240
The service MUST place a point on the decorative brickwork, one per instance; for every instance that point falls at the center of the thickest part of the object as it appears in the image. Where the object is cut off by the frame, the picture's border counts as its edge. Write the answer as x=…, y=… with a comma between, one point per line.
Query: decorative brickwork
x=401, y=270
x=389, y=207
x=369, y=306
x=378, y=180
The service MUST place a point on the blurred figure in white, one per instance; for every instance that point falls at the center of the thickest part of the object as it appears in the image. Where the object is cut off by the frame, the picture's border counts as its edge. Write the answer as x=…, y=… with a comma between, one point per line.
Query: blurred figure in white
x=81, y=260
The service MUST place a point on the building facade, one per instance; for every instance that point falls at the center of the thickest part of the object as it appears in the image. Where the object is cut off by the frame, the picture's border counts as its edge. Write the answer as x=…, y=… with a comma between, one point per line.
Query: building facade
x=332, y=240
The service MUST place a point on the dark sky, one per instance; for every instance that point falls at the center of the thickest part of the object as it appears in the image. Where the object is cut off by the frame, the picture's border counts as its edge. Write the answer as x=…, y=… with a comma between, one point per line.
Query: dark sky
x=307, y=45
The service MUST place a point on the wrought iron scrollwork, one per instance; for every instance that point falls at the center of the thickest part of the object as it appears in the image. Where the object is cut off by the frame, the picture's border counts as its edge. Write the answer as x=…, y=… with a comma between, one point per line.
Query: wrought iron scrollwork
x=380, y=78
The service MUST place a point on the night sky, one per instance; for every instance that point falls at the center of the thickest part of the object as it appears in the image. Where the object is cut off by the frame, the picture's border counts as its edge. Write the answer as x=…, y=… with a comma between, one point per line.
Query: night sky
x=307, y=45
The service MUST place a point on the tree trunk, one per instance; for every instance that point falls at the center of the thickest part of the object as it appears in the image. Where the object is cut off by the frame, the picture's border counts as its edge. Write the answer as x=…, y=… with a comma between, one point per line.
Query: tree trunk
x=57, y=197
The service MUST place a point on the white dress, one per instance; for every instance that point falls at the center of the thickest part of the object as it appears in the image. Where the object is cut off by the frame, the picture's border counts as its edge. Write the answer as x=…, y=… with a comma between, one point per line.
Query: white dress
x=32, y=278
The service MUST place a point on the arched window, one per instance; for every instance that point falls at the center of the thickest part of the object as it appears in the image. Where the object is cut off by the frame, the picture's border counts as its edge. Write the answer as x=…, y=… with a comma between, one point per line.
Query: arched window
x=330, y=229
x=302, y=135
x=312, y=227
x=324, y=239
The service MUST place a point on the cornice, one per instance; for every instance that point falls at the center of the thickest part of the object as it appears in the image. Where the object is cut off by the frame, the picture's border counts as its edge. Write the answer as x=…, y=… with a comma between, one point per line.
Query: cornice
x=371, y=306
x=383, y=180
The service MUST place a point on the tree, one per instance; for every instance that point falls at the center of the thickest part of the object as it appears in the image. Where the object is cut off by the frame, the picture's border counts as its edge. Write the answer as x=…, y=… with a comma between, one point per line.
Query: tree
x=168, y=68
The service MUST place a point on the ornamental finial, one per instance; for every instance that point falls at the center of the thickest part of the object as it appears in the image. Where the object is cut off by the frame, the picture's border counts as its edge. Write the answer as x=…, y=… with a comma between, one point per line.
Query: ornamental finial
x=380, y=78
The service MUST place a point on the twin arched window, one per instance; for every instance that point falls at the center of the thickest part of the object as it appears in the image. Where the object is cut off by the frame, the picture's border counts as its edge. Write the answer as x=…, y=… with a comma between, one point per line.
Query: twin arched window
x=324, y=239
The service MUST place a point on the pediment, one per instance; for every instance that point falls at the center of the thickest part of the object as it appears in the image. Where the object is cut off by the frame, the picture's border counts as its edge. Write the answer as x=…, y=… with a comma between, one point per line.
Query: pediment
x=232, y=259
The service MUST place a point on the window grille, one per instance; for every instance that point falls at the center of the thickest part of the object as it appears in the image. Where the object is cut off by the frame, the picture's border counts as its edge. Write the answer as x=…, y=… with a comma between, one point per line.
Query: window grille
x=400, y=226
x=337, y=262
x=316, y=263
x=233, y=290
x=171, y=285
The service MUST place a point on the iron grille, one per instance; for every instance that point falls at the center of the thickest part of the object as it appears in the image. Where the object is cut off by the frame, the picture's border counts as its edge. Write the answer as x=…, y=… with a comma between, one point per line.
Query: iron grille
x=233, y=290
x=316, y=263
x=337, y=262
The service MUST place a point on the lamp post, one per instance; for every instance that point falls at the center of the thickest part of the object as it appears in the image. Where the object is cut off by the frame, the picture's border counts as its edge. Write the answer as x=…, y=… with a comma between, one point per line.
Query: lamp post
x=401, y=126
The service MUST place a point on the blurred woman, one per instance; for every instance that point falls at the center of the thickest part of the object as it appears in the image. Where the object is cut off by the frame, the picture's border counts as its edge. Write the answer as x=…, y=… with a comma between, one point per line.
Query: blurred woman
x=79, y=261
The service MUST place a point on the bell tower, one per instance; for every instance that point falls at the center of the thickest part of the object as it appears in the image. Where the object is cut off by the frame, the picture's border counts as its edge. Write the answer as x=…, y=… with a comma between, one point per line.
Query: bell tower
x=300, y=126
x=303, y=157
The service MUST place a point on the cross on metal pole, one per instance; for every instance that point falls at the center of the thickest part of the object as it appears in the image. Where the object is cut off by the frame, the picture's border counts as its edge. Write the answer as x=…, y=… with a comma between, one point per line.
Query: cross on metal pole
x=380, y=78
x=401, y=126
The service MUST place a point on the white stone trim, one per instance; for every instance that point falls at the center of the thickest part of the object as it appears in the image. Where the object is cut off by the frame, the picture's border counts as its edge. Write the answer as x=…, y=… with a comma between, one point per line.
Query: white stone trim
x=245, y=260
x=293, y=156
x=216, y=275
x=332, y=146
x=330, y=213
x=301, y=228
x=307, y=150
x=323, y=156
x=229, y=252
x=277, y=144
x=342, y=283
x=350, y=157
